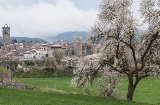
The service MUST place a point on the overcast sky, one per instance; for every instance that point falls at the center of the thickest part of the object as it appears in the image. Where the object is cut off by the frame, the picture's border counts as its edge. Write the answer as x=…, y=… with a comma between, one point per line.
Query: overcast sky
x=42, y=18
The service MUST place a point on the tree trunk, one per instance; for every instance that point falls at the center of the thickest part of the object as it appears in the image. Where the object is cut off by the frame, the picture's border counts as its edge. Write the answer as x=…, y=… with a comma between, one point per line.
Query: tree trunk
x=130, y=93
x=131, y=88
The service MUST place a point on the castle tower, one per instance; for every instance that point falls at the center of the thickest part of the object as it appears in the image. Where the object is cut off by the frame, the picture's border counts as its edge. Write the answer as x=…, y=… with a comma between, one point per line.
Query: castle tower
x=6, y=34
x=77, y=43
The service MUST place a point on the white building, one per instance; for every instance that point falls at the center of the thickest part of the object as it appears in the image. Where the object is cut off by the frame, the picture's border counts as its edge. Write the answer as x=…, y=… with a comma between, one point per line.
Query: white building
x=42, y=52
x=28, y=55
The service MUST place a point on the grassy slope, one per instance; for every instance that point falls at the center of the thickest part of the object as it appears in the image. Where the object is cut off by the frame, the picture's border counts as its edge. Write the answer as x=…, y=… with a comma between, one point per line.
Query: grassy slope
x=147, y=90
x=60, y=83
x=11, y=96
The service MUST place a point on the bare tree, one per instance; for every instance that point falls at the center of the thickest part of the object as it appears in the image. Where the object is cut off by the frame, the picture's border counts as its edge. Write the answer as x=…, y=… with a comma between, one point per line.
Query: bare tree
x=50, y=63
x=122, y=51
x=58, y=55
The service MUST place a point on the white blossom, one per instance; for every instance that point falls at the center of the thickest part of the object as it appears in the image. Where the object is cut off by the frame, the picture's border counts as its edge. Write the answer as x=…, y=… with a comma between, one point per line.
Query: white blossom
x=124, y=50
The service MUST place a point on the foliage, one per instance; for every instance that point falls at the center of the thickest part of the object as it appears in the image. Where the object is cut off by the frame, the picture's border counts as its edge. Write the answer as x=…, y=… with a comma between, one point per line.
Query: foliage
x=39, y=63
x=12, y=64
x=88, y=69
x=23, y=41
x=5, y=74
x=29, y=63
x=14, y=40
x=45, y=73
x=121, y=51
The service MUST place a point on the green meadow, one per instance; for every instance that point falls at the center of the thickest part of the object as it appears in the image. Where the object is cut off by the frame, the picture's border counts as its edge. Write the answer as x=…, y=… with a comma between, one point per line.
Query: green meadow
x=12, y=96
x=59, y=83
x=147, y=90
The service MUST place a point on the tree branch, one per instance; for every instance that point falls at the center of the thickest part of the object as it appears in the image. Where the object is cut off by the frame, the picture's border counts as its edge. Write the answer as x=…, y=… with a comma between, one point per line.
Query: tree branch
x=133, y=52
x=146, y=51
x=115, y=69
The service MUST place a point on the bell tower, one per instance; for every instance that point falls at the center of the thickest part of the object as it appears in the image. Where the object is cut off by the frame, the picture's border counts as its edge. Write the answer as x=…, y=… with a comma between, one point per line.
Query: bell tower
x=6, y=34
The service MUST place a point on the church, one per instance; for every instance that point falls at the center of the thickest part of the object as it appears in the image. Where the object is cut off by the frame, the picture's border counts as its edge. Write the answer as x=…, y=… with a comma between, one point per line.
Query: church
x=5, y=34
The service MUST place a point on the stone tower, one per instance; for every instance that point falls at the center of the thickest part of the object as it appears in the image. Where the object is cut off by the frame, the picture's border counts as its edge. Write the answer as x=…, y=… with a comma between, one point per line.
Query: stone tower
x=6, y=34
x=77, y=43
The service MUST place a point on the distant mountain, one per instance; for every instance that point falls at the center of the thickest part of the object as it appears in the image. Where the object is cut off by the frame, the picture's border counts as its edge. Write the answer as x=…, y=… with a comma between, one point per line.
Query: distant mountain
x=26, y=39
x=68, y=36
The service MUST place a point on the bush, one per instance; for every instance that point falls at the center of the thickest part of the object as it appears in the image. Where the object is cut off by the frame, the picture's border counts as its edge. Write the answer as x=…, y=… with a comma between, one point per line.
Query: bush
x=40, y=63
x=46, y=73
x=5, y=75
x=30, y=63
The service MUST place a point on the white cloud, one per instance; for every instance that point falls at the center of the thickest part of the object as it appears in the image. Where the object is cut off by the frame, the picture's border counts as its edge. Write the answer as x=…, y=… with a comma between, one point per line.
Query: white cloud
x=38, y=18
x=42, y=18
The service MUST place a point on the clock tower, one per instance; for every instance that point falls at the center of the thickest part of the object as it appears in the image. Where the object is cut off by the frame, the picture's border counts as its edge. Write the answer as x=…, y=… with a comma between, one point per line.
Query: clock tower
x=6, y=34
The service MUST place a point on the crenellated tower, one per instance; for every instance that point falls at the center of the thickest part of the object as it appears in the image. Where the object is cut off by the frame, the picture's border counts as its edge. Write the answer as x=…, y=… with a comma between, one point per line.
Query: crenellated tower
x=5, y=34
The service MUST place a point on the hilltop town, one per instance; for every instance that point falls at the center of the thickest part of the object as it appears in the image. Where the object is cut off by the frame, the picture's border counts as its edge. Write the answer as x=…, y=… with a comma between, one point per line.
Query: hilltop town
x=38, y=51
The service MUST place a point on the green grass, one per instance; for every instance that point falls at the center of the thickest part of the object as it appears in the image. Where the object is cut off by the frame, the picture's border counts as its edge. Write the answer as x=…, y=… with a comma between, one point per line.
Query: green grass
x=59, y=83
x=10, y=96
x=147, y=90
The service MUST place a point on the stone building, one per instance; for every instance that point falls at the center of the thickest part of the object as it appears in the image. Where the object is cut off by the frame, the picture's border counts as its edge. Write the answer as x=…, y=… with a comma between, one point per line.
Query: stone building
x=55, y=47
x=5, y=34
x=79, y=48
x=87, y=49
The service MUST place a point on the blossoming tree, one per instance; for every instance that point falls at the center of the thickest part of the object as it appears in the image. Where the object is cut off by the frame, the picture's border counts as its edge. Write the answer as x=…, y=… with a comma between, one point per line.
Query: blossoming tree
x=126, y=50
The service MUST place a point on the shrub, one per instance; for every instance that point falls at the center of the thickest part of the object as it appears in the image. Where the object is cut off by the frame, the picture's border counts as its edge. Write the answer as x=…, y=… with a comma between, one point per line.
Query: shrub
x=5, y=76
x=45, y=73
x=30, y=63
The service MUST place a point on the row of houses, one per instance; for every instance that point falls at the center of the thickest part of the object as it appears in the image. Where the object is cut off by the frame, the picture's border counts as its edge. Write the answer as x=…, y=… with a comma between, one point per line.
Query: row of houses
x=40, y=50
x=29, y=51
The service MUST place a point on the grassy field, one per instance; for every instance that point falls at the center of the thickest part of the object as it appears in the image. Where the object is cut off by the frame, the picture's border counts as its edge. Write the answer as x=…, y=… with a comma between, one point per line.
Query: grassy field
x=59, y=83
x=147, y=90
x=11, y=96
